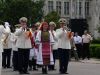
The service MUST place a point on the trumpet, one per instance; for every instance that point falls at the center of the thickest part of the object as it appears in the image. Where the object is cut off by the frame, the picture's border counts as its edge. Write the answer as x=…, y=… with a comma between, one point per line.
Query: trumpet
x=69, y=33
x=66, y=28
x=5, y=41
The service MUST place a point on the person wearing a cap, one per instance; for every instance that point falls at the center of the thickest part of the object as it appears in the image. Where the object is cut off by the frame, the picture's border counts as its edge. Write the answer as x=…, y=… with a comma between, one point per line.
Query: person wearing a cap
x=14, y=49
x=33, y=51
x=37, y=25
x=52, y=26
x=2, y=32
x=63, y=45
x=24, y=45
x=7, y=46
x=45, y=41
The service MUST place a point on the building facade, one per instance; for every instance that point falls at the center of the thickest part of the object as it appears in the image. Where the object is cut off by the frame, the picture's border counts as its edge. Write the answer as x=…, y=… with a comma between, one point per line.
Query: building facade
x=77, y=9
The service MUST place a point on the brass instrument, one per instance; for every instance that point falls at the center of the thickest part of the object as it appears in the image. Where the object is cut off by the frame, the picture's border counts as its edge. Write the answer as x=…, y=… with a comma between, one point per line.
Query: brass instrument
x=5, y=41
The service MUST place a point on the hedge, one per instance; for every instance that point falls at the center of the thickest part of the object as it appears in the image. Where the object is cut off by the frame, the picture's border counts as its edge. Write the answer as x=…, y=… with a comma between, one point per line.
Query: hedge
x=96, y=41
x=95, y=50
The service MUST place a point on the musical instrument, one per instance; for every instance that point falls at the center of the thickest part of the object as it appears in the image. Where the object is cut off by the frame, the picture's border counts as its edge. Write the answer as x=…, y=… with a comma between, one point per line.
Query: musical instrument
x=69, y=33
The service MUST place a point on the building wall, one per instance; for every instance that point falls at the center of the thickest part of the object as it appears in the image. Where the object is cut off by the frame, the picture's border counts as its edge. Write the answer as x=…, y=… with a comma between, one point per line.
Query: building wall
x=78, y=9
x=94, y=21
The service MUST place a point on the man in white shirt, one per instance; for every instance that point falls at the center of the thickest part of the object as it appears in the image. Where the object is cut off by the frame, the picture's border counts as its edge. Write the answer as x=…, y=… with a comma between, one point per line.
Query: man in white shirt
x=2, y=31
x=78, y=44
x=7, y=46
x=55, y=47
x=86, y=40
x=63, y=45
x=24, y=45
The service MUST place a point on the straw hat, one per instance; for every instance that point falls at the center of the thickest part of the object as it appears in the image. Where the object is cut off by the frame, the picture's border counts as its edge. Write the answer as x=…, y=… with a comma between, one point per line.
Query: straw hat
x=62, y=20
x=23, y=19
x=52, y=23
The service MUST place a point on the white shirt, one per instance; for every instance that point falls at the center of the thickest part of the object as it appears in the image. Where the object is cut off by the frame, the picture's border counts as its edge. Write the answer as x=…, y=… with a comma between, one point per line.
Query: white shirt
x=86, y=38
x=2, y=31
x=8, y=44
x=55, y=46
x=13, y=41
x=22, y=41
x=77, y=39
x=63, y=40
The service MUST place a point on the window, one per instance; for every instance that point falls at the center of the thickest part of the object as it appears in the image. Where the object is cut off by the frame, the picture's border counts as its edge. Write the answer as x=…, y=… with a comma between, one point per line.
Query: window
x=50, y=6
x=58, y=7
x=80, y=8
x=86, y=8
x=66, y=8
x=76, y=7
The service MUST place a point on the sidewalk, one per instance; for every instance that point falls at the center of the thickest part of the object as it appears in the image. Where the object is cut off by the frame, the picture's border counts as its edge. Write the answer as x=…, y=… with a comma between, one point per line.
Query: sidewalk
x=91, y=61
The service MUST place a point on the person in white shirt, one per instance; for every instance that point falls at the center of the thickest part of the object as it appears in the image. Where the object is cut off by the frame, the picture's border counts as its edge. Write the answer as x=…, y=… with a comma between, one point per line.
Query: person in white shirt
x=52, y=26
x=14, y=49
x=78, y=44
x=86, y=40
x=34, y=50
x=2, y=32
x=73, y=49
x=64, y=45
x=7, y=46
x=24, y=45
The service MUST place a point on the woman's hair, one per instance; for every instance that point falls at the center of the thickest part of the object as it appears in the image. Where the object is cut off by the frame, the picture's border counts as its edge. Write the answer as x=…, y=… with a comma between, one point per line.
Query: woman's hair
x=43, y=23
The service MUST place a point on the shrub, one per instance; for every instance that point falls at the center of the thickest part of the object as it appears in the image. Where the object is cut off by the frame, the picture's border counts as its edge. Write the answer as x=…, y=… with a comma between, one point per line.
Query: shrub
x=96, y=41
x=95, y=50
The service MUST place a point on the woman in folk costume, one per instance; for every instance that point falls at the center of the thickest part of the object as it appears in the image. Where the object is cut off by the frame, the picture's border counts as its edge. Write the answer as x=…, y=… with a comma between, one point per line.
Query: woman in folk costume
x=7, y=46
x=2, y=32
x=55, y=47
x=45, y=40
x=33, y=51
x=24, y=45
x=64, y=37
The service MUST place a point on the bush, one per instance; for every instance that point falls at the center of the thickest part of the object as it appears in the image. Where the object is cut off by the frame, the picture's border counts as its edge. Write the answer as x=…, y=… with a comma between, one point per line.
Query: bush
x=52, y=16
x=95, y=50
x=97, y=41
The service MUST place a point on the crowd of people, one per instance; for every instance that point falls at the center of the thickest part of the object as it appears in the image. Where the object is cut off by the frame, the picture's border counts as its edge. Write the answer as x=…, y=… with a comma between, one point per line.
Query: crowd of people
x=40, y=46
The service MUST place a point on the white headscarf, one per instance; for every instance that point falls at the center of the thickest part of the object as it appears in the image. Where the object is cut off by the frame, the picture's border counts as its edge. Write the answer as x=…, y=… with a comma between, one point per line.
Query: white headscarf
x=7, y=27
x=7, y=24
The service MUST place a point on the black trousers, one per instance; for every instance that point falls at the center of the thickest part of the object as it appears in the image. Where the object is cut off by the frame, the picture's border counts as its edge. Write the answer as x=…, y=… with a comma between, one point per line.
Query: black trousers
x=55, y=56
x=15, y=60
x=86, y=51
x=23, y=59
x=6, y=56
x=79, y=50
x=32, y=64
x=63, y=59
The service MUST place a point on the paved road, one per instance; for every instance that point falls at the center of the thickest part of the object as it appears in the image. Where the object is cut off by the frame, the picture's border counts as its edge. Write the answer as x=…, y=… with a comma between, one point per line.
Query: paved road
x=75, y=68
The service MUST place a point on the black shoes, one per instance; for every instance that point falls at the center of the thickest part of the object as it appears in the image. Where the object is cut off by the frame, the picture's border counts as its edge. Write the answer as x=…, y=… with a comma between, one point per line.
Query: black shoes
x=22, y=72
x=63, y=73
x=44, y=71
x=34, y=69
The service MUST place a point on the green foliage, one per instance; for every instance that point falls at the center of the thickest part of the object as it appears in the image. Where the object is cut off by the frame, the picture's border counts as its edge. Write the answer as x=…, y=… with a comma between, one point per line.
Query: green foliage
x=98, y=29
x=12, y=10
x=95, y=50
x=97, y=41
x=52, y=16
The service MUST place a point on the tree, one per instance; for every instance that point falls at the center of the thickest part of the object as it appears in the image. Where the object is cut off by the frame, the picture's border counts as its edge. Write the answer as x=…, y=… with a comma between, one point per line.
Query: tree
x=14, y=9
x=52, y=16
x=98, y=29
